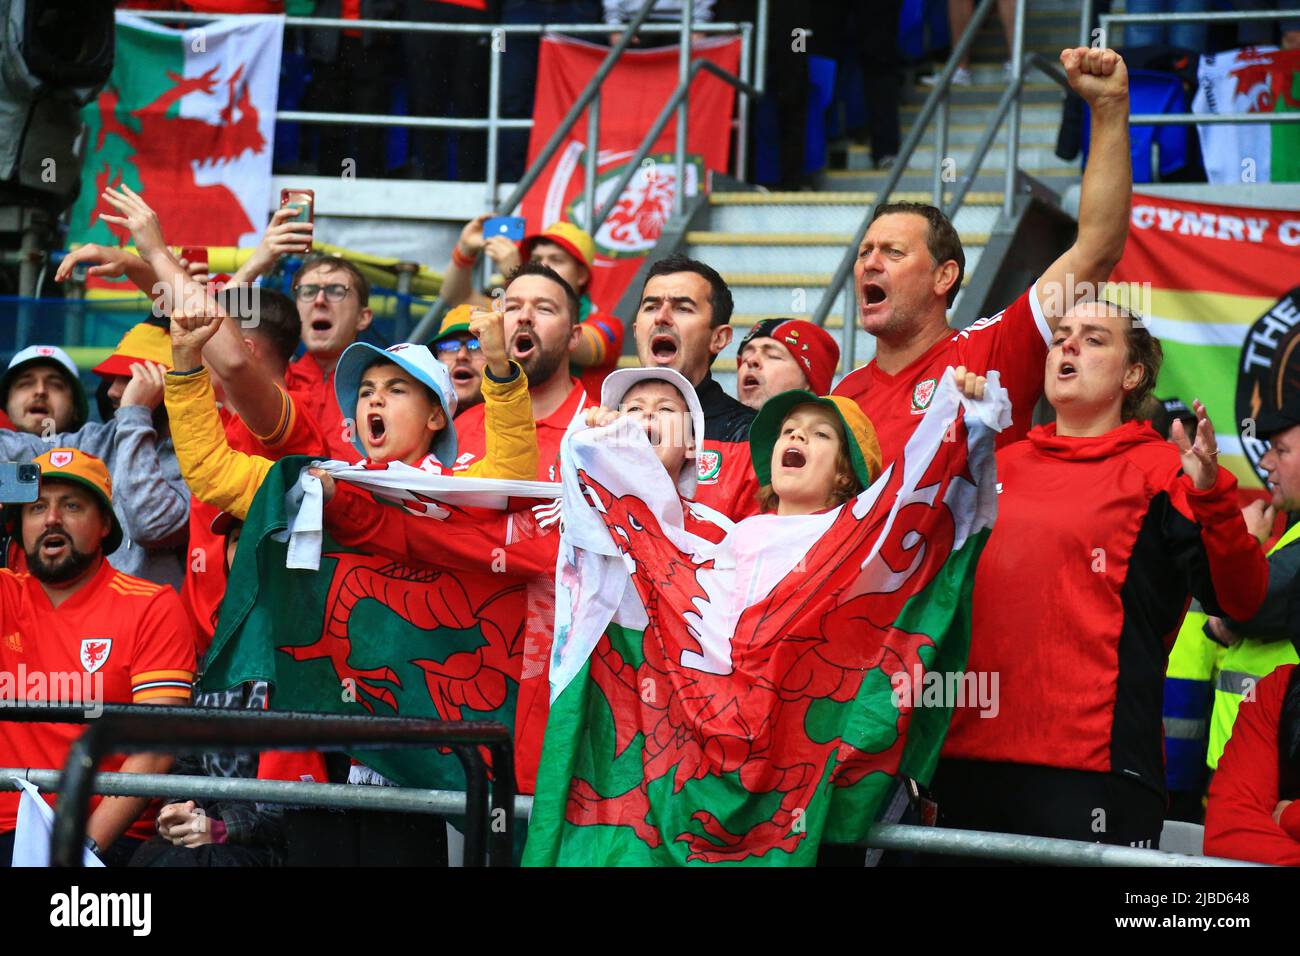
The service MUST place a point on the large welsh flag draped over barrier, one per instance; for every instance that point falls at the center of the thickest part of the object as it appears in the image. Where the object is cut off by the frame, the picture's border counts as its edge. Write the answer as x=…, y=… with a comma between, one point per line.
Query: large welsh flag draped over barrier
x=187, y=120
x=368, y=634
x=753, y=698
x=632, y=96
x=1215, y=283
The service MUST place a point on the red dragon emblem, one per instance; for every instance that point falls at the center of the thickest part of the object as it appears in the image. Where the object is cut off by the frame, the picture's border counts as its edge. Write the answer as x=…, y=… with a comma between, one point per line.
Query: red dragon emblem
x=638, y=217
x=428, y=599
x=167, y=151
x=789, y=650
x=1263, y=77
x=94, y=653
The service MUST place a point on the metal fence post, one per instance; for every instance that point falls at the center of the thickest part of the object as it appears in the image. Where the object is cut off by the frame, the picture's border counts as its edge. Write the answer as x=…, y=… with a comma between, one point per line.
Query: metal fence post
x=742, y=101
x=1013, y=120
x=940, y=147
x=849, y=333
x=494, y=114
x=683, y=109
x=593, y=147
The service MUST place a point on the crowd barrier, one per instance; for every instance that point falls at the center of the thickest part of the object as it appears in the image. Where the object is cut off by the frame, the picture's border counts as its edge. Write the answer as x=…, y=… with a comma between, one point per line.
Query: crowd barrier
x=125, y=728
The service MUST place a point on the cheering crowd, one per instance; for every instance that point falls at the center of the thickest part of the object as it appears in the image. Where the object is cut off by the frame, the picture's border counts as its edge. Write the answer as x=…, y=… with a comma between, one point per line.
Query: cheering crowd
x=1106, y=530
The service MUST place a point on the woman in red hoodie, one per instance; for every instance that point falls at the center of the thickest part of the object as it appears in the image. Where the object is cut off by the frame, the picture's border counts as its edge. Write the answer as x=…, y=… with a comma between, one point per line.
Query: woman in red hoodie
x=1104, y=531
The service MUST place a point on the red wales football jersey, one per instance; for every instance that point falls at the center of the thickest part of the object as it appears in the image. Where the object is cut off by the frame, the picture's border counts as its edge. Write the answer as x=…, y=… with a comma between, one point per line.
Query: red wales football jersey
x=1014, y=342
x=471, y=442
x=118, y=640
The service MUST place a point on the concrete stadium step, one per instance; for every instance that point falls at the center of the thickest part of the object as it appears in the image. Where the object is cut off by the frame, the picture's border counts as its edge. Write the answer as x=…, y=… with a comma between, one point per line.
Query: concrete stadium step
x=791, y=252
x=966, y=133
x=983, y=113
x=1031, y=156
x=1057, y=178
x=808, y=214
x=1036, y=94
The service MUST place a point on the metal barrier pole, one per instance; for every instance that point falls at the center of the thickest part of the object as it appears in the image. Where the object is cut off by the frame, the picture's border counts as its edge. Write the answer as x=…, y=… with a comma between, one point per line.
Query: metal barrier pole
x=593, y=147
x=405, y=274
x=940, y=148
x=494, y=120
x=68, y=835
x=760, y=52
x=1085, y=24
x=849, y=333
x=476, y=804
x=1013, y=123
x=742, y=102
x=683, y=108
x=504, y=803
x=1028, y=849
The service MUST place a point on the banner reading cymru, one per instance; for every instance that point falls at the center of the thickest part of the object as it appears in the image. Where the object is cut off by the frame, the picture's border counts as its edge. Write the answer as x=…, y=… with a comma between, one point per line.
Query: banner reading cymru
x=187, y=120
x=633, y=95
x=1216, y=284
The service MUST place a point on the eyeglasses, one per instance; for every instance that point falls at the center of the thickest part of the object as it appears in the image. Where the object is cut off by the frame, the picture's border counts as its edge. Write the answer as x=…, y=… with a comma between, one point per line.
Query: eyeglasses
x=336, y=292
x=447, y=346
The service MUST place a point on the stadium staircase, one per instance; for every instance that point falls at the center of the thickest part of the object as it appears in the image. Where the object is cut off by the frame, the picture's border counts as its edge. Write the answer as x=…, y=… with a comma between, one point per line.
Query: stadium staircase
x=777, y=250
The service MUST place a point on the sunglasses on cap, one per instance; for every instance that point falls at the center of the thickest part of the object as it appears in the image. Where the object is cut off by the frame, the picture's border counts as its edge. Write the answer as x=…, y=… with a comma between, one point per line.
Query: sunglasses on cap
x=447, y=346
x=334, y=292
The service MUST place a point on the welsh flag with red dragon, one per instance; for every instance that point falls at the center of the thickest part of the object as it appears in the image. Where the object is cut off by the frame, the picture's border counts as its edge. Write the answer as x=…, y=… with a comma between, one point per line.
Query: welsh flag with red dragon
x=742, y=702
x=187, y=119
x=356, y=631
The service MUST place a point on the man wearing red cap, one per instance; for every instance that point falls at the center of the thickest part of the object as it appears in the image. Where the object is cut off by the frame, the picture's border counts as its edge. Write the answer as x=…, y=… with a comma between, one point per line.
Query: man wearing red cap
x=783, y=354
x=83, y=632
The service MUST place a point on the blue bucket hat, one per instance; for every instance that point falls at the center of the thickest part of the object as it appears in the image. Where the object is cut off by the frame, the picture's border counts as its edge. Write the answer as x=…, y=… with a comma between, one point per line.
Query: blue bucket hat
x=415, y=360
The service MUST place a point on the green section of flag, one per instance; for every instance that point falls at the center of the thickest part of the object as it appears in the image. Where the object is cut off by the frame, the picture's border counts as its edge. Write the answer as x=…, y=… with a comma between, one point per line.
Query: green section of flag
x=141, y=63
x=268, y=607
x=1207, y=372
x=581, y=745
x=1285, y=152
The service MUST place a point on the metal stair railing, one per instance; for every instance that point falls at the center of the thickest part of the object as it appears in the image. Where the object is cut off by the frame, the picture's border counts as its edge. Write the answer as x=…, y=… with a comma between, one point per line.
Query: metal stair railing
x=589, y=100
x=936, y=105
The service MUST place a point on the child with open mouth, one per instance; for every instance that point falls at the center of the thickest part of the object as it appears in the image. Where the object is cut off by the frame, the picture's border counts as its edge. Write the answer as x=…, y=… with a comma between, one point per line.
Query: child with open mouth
x=811, y=454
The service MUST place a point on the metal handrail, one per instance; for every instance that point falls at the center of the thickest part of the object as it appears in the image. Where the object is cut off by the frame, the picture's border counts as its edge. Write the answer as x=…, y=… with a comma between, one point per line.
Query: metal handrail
x=937, y=95
x=1029, y=849
x=336, y=796
x=166, y=729
x=884, y=836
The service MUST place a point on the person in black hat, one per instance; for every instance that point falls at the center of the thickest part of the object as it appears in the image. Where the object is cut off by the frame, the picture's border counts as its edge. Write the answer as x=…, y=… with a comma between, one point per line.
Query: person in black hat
x=1165, y=411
